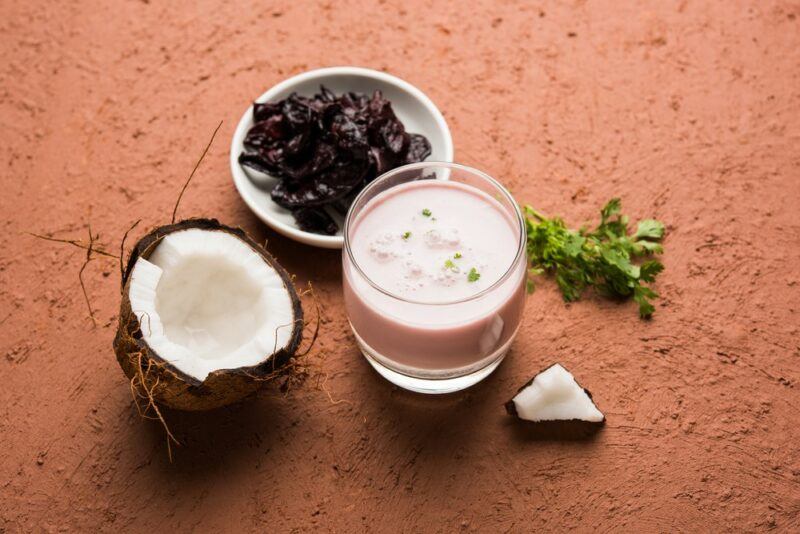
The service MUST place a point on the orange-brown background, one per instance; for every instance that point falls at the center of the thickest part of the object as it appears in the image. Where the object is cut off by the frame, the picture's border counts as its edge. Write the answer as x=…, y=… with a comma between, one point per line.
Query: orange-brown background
x=690, y=111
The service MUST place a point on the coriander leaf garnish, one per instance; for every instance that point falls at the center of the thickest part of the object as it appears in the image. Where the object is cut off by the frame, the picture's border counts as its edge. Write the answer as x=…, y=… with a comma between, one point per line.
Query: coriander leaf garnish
x=649, y=269
x=603, y=258
x=426, y=212
x=649, y=229
x=457, y=255
x=406, y=235
x=473, y=275
x=448, y=264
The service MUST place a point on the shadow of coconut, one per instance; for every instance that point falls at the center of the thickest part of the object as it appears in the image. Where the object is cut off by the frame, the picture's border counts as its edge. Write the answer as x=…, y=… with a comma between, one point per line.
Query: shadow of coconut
x=235, y=435
x=526, y=432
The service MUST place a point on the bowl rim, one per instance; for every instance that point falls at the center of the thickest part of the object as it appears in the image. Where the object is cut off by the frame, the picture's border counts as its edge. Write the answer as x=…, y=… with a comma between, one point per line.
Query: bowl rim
x=239, y=175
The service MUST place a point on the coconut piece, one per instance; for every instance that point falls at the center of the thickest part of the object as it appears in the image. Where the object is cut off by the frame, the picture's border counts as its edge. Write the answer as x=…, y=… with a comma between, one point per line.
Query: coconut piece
x=554, y=395
x=206, y=315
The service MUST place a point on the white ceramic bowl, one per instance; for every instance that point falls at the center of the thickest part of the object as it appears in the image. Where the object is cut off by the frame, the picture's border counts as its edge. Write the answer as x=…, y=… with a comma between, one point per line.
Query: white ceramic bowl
x=416, y=111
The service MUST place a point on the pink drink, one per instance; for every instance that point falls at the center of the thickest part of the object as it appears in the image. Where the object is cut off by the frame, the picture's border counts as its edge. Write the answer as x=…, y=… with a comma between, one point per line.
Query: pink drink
x=447, y=277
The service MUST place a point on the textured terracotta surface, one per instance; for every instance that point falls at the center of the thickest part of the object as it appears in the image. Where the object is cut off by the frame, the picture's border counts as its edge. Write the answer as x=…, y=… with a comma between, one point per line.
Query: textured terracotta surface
x=688, y=110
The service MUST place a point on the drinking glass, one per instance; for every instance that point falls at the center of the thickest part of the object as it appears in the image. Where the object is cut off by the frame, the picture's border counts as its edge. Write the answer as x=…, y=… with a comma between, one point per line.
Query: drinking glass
x=435, y=347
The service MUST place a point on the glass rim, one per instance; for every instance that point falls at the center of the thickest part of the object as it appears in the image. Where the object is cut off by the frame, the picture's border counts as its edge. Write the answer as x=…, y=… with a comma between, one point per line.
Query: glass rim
x=422, y=165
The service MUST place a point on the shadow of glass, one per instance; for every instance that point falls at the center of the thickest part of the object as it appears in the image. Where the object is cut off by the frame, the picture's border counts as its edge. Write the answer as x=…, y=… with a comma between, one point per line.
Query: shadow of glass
x=440, y=424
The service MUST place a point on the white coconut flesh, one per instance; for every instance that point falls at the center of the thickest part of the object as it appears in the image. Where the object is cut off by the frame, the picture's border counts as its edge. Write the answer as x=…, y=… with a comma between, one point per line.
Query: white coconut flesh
x=205, y=301
x=555, y=395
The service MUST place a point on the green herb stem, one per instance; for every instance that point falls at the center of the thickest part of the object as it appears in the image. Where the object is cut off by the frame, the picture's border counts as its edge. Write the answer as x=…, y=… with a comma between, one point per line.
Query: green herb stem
x=604, y=258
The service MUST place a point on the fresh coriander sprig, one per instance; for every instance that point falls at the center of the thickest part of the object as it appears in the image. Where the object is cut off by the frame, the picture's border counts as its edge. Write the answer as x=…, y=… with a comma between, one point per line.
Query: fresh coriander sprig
x=473, y=275
x=601, y=258
x=426, y=212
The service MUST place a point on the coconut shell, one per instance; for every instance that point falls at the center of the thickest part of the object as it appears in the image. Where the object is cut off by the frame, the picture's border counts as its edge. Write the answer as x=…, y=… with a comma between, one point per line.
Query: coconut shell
x=170, y=386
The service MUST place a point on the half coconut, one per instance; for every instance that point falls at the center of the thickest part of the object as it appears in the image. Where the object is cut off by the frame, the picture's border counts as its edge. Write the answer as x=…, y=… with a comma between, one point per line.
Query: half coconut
x=553, y=395
x=206, y=315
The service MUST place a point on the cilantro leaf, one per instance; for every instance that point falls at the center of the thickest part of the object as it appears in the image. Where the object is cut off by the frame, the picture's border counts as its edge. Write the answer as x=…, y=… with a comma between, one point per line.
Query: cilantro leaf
x=649, y=270
x=649, y=229
x=621, y=261
x=604, y=258
x=641, y=296
x=530, y=286
x=573, y=244
x=612, y=207
x=473, y=275
x=642, y=247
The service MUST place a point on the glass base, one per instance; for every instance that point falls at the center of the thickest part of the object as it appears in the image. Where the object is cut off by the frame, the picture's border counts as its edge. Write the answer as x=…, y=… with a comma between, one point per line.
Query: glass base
x=433, y=386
